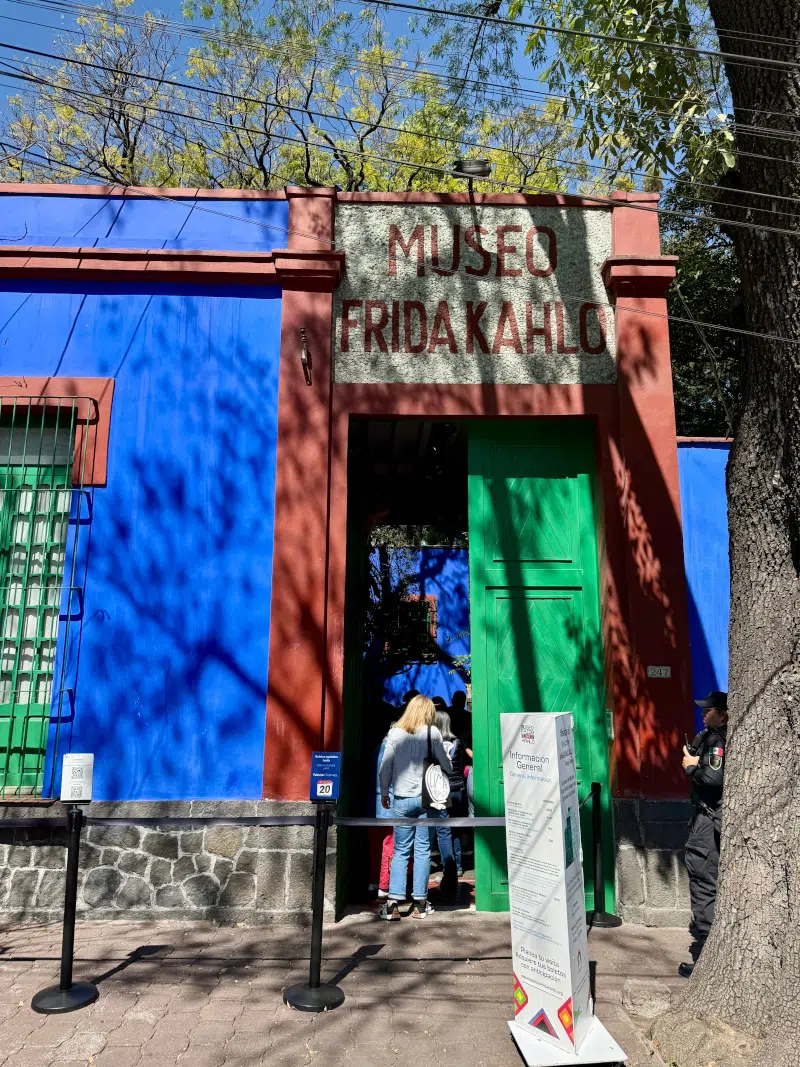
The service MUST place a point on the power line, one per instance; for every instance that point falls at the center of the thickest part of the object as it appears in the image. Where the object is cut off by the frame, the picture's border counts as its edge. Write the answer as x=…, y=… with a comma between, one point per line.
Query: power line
x=700, y=27
x=15, y=72
x=162, y=81
x=206, y=34
x=712, y=354
x=732, y=58
x=339, y=150
x=55, y=165
x=178, y=198
x=706, y=27
x=213, y=34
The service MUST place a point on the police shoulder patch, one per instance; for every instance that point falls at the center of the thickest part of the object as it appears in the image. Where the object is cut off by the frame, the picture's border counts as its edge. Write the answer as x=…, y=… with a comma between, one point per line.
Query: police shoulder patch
x=715, y=756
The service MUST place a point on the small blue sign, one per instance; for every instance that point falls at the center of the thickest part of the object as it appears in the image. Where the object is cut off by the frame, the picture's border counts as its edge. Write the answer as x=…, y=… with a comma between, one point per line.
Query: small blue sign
x=325, y=772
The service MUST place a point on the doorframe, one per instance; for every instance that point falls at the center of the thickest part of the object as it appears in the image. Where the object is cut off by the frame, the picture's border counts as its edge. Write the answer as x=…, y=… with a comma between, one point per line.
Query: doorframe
x=638, y=720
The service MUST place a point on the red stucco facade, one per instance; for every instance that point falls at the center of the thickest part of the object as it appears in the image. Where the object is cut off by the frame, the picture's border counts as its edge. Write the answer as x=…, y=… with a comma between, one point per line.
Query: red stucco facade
x=640, y=545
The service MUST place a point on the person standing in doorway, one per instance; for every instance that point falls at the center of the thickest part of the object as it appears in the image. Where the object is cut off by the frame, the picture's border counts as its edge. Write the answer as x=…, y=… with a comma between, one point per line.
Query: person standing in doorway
x=381, y=839
x=704, y=762
x=458, y=801
x=461, y=719
x=401, y=770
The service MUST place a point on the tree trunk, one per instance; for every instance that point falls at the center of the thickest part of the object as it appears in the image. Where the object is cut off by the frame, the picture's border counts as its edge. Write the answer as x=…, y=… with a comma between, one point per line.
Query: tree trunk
x=749, y=973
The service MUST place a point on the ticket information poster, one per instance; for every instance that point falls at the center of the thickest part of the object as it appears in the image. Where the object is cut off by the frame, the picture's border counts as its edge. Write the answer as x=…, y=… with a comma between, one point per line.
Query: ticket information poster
x=545, y=879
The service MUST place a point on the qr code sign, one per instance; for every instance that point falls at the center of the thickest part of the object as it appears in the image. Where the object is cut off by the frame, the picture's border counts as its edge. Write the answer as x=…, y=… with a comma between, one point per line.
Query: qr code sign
x=77, y=771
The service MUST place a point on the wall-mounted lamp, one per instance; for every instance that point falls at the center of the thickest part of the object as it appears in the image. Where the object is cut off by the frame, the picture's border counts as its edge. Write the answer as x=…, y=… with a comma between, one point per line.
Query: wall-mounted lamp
x=472, y=168
x=305, y=356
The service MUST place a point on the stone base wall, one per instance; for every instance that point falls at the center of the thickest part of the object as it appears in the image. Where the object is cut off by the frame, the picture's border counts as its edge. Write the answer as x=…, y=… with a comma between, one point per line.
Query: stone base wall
x=227, y=873
x=263, y=874
x=652, y=884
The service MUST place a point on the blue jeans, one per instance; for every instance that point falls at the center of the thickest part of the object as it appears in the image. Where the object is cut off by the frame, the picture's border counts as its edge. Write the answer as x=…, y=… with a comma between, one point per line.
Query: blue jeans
x=449, y=848
x=406, y=837
x=458, y=809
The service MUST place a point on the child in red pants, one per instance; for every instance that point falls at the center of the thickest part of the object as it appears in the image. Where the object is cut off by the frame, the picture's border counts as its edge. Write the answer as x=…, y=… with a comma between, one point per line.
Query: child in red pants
x=381, y=852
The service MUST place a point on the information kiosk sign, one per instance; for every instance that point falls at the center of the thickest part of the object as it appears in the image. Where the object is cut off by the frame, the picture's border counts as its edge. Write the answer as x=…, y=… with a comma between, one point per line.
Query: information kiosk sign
x=553, y=1021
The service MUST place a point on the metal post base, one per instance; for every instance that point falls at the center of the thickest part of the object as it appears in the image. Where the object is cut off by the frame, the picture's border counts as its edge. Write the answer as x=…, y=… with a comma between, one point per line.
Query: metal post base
x=56, y=1001
x=602, y=920
x=304, y=998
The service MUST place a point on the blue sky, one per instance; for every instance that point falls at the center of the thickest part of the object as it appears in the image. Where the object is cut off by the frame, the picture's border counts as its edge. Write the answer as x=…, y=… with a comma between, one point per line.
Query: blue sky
x=38, y=27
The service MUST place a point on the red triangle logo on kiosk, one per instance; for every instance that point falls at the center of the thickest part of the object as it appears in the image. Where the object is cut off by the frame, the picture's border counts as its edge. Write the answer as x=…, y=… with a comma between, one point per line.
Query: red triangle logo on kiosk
x=565, y=1018
x=541, y=1022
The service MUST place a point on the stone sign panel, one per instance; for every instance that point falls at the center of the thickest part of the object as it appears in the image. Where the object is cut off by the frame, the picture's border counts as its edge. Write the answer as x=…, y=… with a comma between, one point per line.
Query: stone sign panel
x=443, y=293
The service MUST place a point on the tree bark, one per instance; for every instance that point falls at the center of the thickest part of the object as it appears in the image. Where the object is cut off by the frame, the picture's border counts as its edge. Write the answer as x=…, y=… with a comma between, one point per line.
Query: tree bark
x=749, y=973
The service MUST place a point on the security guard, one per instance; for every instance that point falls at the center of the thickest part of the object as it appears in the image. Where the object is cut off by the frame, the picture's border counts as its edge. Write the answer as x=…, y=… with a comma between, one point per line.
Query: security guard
x=704, y=762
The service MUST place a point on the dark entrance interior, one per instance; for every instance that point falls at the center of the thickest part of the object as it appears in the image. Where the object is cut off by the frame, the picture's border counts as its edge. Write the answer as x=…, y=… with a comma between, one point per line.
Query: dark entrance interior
x=472, y=566
x=407, y=606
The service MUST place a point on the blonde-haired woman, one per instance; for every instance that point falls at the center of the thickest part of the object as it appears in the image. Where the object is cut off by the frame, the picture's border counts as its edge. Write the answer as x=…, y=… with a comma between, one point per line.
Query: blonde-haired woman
x=401, y=769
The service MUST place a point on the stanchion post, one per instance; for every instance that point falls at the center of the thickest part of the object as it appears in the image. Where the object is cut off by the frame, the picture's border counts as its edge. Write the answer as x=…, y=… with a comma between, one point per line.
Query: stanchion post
x=599, y=917
x=68, y=995
x=316, y=996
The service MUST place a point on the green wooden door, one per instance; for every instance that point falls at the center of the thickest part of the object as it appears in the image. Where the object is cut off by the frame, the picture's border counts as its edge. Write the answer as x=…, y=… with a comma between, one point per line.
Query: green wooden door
x=534, y=613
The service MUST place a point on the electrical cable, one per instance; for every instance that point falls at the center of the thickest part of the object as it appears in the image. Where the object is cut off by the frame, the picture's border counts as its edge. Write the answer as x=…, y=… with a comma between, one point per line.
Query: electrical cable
x=729, y=58
x=336, y=118
x=213, y=34
x=745, y=128
x=341, y=150
x=699, y=27
x=180, y=198
x=712, y=355
x=149, y=193
x=204, y=34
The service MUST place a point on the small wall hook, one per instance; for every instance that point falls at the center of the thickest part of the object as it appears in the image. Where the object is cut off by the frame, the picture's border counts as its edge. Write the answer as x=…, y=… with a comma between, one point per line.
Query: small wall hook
x=305, y=356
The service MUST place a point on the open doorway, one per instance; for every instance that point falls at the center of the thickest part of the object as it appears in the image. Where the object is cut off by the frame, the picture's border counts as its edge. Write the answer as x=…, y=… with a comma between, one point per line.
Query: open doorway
x=407, y=610
x=472, y=567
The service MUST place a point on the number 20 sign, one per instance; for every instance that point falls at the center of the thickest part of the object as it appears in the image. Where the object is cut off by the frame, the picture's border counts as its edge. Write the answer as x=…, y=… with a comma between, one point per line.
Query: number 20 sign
x=325, y=772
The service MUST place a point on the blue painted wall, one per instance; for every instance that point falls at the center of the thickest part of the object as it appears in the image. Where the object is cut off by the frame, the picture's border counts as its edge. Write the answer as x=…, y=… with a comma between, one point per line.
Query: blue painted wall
x=704, y=508
x=168, y=650
x=140, y=222
x=443, y=573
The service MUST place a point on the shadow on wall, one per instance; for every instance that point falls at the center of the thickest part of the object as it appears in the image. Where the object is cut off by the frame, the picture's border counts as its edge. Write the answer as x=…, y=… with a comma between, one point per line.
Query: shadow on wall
x=641, y=528
x=169, y=647
x=175, y=622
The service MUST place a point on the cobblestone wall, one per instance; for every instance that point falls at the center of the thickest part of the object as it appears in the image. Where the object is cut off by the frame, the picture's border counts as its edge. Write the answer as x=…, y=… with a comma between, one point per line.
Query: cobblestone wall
x=263, y=874
x=652, y=885
x=229, y=873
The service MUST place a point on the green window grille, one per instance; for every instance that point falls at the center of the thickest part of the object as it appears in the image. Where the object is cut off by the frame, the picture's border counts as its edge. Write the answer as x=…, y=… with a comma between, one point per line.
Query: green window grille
x=37, y=465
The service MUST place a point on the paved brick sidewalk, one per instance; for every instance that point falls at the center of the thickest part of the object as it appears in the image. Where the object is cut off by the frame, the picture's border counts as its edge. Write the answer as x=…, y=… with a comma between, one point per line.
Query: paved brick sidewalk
x=436, y=992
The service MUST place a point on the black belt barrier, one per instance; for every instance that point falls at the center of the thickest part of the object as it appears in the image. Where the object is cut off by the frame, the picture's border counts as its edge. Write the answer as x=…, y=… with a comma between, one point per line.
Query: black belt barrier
x=313, y=996
x=69, y=995
x=600, y=918
x=316, y=996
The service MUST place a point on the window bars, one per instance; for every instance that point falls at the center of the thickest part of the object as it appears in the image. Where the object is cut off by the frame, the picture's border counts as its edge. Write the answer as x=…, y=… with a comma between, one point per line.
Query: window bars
x=43, y=442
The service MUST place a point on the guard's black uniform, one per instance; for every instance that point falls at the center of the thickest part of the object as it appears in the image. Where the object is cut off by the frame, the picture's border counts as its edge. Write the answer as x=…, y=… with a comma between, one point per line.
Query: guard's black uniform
x=702, y=848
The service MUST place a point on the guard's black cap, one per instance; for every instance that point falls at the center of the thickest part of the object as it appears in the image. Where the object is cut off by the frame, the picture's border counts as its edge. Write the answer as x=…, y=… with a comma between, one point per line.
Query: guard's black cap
x=714, y=700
